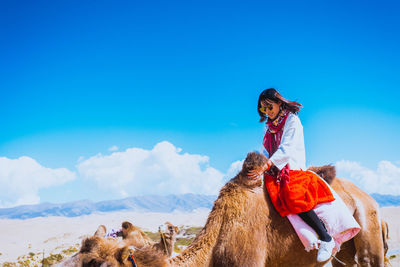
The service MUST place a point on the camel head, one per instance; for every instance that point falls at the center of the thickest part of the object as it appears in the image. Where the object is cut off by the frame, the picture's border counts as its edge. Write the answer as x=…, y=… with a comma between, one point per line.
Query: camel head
x=170, y=230
x=127, y=228
x=102, y=252
x=168, y=233
x=253, y=161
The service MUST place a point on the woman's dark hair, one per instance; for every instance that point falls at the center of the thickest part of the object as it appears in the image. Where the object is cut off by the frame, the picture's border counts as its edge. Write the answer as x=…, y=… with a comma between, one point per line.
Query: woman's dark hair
x=272, y=95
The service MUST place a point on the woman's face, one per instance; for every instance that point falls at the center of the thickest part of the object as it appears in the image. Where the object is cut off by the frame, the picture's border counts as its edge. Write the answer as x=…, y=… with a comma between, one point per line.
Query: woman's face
x=271, y=109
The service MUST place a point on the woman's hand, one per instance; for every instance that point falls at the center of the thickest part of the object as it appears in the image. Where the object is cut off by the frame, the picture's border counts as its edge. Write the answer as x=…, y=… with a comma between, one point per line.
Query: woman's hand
x=254, y=173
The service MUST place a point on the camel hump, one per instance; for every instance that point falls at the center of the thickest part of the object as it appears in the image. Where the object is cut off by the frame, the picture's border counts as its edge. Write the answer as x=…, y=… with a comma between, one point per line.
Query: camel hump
x=327, y=172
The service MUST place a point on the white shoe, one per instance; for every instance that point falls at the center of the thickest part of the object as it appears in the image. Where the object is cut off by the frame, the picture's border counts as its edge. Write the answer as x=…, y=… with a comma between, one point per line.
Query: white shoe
x=325, y=250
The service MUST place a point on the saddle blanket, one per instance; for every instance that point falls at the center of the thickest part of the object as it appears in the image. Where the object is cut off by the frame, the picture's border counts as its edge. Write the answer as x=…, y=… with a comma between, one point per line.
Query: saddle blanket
x=337, y=218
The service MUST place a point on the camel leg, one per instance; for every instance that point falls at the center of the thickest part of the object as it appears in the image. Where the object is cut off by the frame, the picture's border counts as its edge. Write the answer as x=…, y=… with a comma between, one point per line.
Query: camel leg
x=368, y=242
x=346, y=255
x=385, y=235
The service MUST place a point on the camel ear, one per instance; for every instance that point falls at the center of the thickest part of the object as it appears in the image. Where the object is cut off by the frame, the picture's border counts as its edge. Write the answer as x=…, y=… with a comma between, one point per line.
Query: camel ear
x=101, y=231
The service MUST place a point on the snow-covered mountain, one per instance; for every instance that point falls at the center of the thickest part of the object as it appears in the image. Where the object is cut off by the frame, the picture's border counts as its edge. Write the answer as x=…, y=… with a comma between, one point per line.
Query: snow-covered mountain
x=187, y=202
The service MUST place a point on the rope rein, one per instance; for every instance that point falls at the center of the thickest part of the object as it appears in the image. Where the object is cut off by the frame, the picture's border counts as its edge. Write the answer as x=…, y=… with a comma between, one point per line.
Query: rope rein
x=132, y=260
x=341, y=262
x=164, y=242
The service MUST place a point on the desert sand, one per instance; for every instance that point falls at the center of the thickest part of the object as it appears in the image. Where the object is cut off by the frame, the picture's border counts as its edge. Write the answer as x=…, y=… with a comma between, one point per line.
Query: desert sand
x=392, y=216
x=54, y=234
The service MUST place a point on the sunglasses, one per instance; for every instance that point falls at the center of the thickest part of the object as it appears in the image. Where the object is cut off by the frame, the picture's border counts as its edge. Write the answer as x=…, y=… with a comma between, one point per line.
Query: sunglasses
x=266, y=107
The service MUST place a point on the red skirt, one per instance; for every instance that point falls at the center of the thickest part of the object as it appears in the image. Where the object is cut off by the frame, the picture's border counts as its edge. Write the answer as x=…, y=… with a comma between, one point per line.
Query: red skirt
x=303, y=192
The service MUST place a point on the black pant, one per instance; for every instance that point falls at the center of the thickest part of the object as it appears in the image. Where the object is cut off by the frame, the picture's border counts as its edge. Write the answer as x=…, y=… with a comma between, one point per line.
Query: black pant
x=311, y=218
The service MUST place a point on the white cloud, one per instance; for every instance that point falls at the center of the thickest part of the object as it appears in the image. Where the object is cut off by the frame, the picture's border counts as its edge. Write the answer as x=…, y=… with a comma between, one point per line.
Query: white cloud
x=113, y=148
x=21, y=179
x=234, y=169
x=384, y=180
x=162, y=170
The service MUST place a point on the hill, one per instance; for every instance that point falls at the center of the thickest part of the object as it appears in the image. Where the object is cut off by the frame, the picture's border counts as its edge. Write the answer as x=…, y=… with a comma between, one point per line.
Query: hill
x=169, y=203
x=166, y=204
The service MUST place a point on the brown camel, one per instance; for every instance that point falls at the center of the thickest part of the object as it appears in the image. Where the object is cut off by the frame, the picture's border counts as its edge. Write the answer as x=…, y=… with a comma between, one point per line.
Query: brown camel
x=97, y=249
x=244, y=229
x=100, y=251
x=367, y=248
x=167, y=239
x=133, y=236
x=76, y=259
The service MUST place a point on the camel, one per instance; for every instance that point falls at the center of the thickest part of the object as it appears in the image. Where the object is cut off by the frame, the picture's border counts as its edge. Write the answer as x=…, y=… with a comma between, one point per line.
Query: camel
x=133, y=236
x=244, y=229
x=167, y=239
x=369, y=246
x=97, y=249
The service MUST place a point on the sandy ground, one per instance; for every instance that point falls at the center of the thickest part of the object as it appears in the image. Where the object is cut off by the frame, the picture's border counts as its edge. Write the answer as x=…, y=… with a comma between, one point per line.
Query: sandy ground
x=53, y=234
x=392, y=216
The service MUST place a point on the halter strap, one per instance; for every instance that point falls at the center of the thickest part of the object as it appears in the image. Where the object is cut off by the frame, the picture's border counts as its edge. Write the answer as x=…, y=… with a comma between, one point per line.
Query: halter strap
x=132, y=260
x=164, y=242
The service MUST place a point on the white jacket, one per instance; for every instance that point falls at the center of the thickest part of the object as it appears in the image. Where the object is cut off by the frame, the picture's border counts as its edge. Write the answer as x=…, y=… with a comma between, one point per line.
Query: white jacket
x=291, y=149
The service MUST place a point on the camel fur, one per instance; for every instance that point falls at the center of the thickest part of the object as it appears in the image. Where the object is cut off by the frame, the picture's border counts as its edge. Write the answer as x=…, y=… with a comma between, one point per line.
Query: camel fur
x=244, y=229
x=97, y=251
x=167, y=239
x=133, y=236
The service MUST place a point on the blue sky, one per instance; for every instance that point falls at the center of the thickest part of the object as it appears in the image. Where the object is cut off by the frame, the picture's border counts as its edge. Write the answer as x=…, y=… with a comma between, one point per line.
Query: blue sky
x=80, y=77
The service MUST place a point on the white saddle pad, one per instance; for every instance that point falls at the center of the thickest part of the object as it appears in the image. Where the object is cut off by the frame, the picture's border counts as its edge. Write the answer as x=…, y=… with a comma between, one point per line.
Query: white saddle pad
x=337, y=218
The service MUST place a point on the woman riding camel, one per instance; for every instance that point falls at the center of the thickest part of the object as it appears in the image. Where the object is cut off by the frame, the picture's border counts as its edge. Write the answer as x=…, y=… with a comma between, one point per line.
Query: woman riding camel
x=292, y=190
